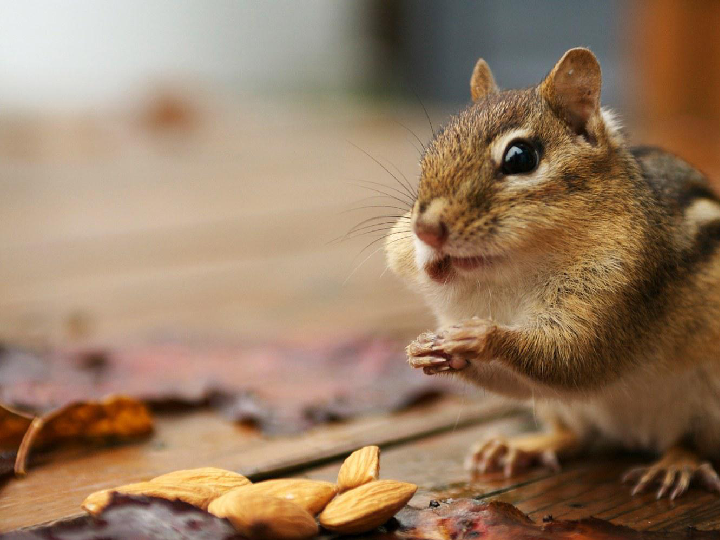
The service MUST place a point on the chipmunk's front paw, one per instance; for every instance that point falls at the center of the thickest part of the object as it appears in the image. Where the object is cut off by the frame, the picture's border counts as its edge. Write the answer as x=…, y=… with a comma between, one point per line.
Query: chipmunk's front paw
x=674, y=471
x=465, y=338
x=425, y=353
x=449, y=348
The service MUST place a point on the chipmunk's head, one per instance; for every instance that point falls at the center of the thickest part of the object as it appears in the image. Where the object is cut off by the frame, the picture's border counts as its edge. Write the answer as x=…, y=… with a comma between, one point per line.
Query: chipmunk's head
x=513, y=175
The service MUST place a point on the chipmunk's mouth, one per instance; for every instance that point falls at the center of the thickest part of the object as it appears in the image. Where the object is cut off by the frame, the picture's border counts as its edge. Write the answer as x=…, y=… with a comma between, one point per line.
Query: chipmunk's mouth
x=469, y=263
x=442, y=269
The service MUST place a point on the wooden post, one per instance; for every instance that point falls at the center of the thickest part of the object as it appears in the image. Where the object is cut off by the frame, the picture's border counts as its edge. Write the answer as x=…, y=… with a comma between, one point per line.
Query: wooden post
x=676, y=67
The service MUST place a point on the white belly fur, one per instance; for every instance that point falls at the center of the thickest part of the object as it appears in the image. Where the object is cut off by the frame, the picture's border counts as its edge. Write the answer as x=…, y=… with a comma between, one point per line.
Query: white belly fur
x=651, y=412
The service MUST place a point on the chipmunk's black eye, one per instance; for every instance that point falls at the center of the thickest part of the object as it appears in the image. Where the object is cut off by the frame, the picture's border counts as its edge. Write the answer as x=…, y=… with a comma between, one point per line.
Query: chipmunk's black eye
x=520, y=157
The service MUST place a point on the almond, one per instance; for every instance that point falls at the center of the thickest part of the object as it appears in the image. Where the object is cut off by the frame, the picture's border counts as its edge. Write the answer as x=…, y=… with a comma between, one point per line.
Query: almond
x=361, y=467
x=366, y=507
x=311, y=495
x=196, y=495
x=219, y=480
x=257, y=516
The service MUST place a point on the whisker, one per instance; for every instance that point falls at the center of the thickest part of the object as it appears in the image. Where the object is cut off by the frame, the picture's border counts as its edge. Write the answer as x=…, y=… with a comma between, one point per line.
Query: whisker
x=407, y=185
x=402, y=193
x=359, y=265
x=358, y=233
x=351, y=233
x=374, y=218
x=386, y=194
x=413, y=134
x=371, y=206
x=376, y=161
x=432, y=129
x=415, y=146
x=403, y=238
x=366, y=258
x=381, y=238
x=389, y=216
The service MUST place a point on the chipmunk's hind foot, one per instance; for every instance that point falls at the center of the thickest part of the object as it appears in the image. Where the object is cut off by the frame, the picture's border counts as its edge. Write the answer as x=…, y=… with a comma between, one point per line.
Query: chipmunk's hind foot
x=514, y=455
x=499, y=455
x=674, y=471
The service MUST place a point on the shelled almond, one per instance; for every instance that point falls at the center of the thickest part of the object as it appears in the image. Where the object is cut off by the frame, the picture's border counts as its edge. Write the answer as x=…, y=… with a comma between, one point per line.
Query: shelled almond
x=197, y=495
x=310, y=495
x=361, y=467
x=219, y=479
x=366, y=507
x=261, y=517
x=281, y=509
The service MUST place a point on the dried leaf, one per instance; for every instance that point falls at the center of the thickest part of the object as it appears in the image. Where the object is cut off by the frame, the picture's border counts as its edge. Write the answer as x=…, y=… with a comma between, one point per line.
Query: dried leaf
x=465, y=518
x=116, y=417
x=355, y=377
x=461, y=519
x=137, y=517
x=7, y=464
x=13, y=425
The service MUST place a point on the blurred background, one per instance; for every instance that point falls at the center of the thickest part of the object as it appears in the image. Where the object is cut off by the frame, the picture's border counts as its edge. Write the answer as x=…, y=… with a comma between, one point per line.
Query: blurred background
x=183, y=166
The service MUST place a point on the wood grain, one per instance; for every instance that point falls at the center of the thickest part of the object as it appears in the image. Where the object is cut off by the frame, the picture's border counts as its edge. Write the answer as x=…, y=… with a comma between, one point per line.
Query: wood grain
x=55, y=488
x=223, y=229
x=587, y=486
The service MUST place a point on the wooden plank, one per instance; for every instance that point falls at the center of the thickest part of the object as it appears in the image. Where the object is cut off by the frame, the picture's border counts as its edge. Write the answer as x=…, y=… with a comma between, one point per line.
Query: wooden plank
x=221, y=230
x=55, y=488
x=291, y=293
x=436, y=463
x=585, y=487
x=411, y=452
x=592, y=488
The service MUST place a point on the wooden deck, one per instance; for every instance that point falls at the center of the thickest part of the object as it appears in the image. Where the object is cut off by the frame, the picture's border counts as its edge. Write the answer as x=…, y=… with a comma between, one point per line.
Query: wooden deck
x=221, y=227
x=425, y=446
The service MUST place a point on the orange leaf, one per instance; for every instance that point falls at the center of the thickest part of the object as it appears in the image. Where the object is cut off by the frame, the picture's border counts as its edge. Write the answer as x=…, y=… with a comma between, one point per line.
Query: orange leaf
x=114, y=417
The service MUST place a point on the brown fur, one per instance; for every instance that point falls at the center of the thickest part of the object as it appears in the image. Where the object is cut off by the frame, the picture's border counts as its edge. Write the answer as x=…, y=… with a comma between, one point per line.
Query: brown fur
x=482, y=82
x=614, y=264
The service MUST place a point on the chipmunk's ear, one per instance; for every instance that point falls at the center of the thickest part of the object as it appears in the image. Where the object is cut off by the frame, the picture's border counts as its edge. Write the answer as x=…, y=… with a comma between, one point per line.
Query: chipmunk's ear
x=482, y=82
x=573, y=88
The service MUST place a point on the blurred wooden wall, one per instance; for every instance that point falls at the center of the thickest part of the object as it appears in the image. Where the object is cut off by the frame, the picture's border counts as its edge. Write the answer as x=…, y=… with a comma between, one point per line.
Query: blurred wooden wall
x=676, y=68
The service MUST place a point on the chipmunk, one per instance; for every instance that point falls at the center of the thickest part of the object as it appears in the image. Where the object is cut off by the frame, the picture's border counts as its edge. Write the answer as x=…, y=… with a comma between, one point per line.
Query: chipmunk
x=565, y=267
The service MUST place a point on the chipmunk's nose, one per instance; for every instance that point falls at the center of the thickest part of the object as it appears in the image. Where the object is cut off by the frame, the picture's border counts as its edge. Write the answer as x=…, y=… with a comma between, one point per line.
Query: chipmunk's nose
x=432, y=231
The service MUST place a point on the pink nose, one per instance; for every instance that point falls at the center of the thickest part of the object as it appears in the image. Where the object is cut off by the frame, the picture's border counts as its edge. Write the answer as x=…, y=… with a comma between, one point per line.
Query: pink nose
x=433, y=233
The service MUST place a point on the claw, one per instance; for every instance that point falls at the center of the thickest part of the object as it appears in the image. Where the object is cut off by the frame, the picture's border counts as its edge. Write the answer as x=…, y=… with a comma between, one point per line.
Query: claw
x=497, y=450
x=632, y=475
x=437, y=364
x=511, y=462
x=709, y=477
x=549, y=458
x=466, y=338
x=427, y=361
x=645, y=480
x=483, y=455
x=683, y=484
x=675, y=471
x=512, y=456
x=667, y=483
x=427, y=352
x=423, y=345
